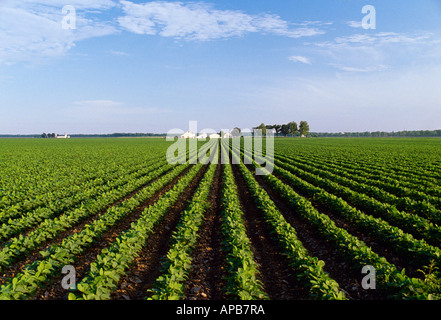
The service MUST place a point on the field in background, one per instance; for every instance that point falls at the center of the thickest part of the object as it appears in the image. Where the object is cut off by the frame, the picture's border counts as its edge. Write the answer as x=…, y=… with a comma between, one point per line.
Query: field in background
x=338, y=219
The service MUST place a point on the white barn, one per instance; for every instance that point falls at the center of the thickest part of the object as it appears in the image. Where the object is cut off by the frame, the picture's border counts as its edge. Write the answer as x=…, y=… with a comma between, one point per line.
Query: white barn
x=188, y=135
x=62, y=137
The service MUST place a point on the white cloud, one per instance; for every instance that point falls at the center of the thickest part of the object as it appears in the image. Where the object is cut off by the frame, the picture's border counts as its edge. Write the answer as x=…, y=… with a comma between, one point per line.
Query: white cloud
x=118, y=53
x=354, y=24
x=377, y=39
x=78, y=4
x=300, y=59
x=357, y=101
x=31, y=30
x=372, y=52
x=198, y=21
x=372, y=68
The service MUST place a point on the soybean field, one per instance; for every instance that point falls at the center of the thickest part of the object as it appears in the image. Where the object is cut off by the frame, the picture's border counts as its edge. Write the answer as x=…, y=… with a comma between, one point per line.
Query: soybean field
x=112, y=219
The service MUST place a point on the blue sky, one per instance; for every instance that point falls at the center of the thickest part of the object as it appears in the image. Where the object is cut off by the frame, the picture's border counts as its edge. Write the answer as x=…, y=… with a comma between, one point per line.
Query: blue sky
x=151, y=66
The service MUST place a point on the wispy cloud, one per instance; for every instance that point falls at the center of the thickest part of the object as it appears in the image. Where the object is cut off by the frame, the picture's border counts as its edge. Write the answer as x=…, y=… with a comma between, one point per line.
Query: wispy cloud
x=374, y=68
x=372, y=52
x=31, y=30
x=199, y=21
x=381, y=38
x=300, y=59
x=118, y=53
x=354, y=24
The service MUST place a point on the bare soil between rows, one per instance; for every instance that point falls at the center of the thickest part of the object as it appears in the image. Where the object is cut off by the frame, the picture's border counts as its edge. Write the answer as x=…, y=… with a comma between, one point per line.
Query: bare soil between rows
x=54, y=291
x=146, y=268
x=279, y=280
x=206, y=280
x=337, y=267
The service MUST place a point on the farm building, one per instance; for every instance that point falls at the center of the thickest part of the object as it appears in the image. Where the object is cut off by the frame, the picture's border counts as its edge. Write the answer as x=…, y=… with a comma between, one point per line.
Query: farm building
x=188, y=135
x=227, y=135
x=62, y=137
x=203, y=136
x=214, y=136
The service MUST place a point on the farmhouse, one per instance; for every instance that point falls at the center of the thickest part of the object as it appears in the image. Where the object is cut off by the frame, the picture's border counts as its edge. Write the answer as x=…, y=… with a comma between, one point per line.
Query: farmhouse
x=188, y=135
x=214, y=136
x=227, y=135
x=62, y=137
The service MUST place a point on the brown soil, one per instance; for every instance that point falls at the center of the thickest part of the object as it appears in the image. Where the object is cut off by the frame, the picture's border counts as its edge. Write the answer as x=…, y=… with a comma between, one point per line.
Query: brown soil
x=383, y=249
x=147, y=267
x=278, y=278
x=55, y=291
x=337, y=267
x=206, y=278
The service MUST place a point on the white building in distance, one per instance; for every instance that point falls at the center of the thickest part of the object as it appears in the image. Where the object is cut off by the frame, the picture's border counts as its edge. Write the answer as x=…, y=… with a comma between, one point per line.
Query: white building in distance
x=62, y=137
x=189, y=135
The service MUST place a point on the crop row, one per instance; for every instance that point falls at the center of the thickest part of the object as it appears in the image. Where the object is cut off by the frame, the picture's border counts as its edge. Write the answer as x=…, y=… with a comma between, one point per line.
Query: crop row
x=50, y=228
x=15, y=226
x=71, y=193
x=113, y=261
x=366, y=186
x=411, y=223
x=30, y=182
x=55, y=257
x=171, y=284
x=413, y=187
x=243, y=281
x=417, y=250
x=308, y=269
x=389, y=278
x=394, y=157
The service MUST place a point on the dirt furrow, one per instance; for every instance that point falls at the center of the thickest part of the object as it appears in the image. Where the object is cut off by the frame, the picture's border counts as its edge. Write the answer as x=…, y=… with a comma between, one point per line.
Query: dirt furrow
x=338, y=268
x=377, y=246
x=34, y=255
x=147, y=267
x=54, y=291
x=278, y=278
x=206, y=279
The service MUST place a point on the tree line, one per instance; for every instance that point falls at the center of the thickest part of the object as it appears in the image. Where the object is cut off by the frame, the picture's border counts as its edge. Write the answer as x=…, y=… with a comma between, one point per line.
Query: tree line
x=375, y=134
x=288, y=129
x=110, y=135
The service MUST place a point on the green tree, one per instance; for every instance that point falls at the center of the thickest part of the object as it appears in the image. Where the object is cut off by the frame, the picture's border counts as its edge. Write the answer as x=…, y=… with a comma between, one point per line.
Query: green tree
x=262, y=127
x=293, y=129
x=278, y=128
x=285, y=129
x=304, y=128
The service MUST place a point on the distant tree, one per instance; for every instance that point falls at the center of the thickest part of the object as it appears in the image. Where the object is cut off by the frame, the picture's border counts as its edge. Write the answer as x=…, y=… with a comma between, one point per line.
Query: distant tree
x=44, y=135
x=278, y=128
x=262, y=127
x=304, y=128
x=284, y=129
x=236, y=132
x=293, y=129
x=271, y=127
